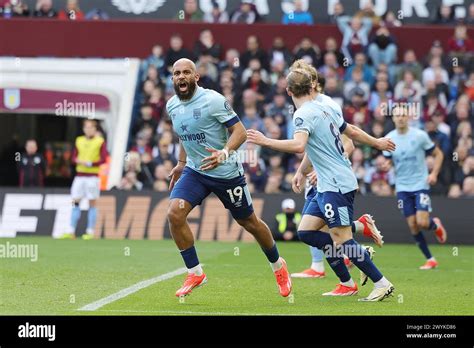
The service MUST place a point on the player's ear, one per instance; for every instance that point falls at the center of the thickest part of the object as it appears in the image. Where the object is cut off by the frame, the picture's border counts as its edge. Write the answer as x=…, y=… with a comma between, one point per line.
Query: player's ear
x=288, y=91
x=197, y=76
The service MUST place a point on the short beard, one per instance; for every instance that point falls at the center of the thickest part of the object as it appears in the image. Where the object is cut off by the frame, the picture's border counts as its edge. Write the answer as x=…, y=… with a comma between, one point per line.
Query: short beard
x=189, y=94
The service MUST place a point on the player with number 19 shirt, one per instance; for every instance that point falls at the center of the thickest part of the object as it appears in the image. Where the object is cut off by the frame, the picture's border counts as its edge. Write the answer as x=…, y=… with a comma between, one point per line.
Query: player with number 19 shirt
x=210, y=132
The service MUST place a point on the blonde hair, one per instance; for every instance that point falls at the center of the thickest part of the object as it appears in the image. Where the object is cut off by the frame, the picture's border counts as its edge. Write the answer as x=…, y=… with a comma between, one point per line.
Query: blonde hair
x=303, y=65
x=300, y=82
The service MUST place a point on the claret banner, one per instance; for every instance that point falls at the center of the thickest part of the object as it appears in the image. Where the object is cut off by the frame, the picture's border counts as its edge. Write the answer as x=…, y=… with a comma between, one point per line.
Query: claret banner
x=142, y=215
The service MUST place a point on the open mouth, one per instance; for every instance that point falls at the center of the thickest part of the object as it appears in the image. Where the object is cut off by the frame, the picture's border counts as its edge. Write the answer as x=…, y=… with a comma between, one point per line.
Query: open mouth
x=183, y=86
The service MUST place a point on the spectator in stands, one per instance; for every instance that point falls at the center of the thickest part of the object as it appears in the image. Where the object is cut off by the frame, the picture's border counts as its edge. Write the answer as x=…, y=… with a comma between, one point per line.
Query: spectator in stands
x=410, y=63
x=141, y=146
x=254, y=65
x=146, y=118
x=432, y=106
x=434, y=67
x=357, y=160
x=97, y=14
x=379, y=178
x=161, y=179
x=254, y=51
x=333, y=90
x=157, y=102
x=246, y=13
x=279, y=110
x=298, y=15
x=14, y=8
x=72, y=11
x=444, y=15
x=439, y=138
x=330, y=45
x=356, y=83
x=207, y=60
x=408, y=89
x=355, y=32
x=357, y=112
x=155, y=59
x=308, y=51
x=32, y=166
x=360, y=61
x=460, y=45
x=337, y=11
x=389, y=20
x=380, y=94
x=190, y=12
x=279, y=52
x=368, y=11
x=207, y=46
x=250, y=116
x=176, y=51
x=232, y=62
x=383, y=48
x=216, y=15
x=456, y=83
x=256, y=84
x=44, y=9
x=287, y=221
x=470, y=15
x=130, y=182
x=331, y=66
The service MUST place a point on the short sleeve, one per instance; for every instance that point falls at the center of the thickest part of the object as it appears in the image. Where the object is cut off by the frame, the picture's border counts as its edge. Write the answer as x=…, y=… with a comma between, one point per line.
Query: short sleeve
x=427, y=143
x=302, y=122
x=222, y=110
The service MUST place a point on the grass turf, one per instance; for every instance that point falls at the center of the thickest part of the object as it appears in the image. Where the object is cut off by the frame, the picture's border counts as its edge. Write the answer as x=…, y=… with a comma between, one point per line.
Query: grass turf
x=72, y=273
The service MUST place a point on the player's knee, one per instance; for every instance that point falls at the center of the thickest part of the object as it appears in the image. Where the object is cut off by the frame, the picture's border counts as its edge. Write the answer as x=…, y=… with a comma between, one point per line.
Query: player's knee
x=250, y=224
x=175, y=216
x=422, y=223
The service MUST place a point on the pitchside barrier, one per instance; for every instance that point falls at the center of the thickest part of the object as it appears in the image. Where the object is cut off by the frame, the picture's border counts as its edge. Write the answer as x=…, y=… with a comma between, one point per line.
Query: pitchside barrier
x=142, y=215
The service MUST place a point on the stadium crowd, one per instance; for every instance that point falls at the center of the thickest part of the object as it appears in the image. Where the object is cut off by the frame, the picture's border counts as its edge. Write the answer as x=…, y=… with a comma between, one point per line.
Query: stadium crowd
x=362, y=74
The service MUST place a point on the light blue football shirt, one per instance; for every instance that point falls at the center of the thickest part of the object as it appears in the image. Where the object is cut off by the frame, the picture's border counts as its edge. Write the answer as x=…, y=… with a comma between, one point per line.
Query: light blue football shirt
x=325, y=151
x=202, y=122
x=411, y=171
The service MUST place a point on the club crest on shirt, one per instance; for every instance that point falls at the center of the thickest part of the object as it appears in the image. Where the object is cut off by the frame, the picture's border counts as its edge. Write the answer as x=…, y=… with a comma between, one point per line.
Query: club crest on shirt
x=197, y=114
x=228, y=107
x=298, y=121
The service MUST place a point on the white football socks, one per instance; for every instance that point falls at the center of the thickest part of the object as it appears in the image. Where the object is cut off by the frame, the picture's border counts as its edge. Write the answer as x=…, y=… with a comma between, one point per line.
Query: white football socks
x=382, y=283
x=197, y=270
x=318, y=266
x=276, y=265
x=350, y=283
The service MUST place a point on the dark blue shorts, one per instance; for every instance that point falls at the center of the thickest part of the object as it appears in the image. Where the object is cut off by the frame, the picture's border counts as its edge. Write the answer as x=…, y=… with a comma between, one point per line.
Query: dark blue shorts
x=410, y=202
x=233, y=193
x=336, y=208
x=309, y=197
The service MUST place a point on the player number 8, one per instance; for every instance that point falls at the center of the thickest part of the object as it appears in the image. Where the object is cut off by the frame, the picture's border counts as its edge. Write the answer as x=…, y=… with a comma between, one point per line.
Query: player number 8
x=237, y=192
x=328, y=212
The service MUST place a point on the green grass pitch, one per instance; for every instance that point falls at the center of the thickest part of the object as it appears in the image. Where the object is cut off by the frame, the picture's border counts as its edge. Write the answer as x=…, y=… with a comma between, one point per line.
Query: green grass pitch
x=70, y=274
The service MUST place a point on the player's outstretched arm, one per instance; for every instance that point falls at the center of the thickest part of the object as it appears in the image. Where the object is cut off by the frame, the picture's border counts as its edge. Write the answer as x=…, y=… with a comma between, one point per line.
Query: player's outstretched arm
x=348, y=145
x=238, y=135
x=357, y=134
x=295, y=145
x=178, y=169
x=438, y=162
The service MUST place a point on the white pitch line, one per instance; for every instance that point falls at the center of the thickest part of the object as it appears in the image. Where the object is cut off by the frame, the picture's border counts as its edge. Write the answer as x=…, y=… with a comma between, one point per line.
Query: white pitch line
x=196, y=313
x=131, y=289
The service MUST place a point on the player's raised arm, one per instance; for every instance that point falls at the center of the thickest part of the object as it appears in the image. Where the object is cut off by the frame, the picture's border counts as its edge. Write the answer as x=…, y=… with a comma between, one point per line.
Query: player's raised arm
x=357, y=134
x=295, y=145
